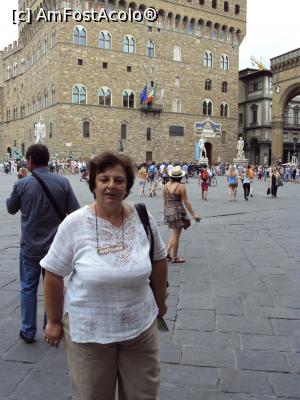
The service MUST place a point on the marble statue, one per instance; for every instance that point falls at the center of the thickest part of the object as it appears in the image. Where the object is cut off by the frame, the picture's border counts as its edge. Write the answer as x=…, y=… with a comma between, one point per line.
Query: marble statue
x=40, y=131
x=240, y=148
x=202, y=147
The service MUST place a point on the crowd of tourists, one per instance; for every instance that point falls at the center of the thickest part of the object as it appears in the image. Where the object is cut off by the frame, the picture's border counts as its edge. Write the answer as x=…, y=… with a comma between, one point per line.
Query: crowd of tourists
x=60, y=167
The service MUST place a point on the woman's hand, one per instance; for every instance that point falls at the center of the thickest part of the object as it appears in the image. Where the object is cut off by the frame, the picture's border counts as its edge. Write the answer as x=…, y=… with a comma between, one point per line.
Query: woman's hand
x=53, y=333
x=197, y=217
x=162, y=309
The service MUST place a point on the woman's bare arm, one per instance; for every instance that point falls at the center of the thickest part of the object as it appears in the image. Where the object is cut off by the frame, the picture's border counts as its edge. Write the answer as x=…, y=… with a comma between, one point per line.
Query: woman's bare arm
x=158, y=281
x=187, y=203
x=54, y=297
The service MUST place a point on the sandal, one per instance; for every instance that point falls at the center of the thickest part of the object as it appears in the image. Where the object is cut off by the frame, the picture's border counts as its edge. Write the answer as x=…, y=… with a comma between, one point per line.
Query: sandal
x=169, y=258
x=178, y=260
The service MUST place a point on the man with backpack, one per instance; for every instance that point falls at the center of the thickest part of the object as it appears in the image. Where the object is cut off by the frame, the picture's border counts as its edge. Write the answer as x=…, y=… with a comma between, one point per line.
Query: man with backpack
x=152, y=177
x=41, y=214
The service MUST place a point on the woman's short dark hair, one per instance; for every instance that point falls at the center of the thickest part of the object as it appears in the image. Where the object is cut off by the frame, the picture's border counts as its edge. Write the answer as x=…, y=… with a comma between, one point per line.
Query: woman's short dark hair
x=106, y=160
x=39, y=154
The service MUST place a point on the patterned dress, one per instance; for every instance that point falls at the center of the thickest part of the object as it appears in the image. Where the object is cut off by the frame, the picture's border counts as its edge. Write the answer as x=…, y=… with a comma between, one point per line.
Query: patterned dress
x=174, y=210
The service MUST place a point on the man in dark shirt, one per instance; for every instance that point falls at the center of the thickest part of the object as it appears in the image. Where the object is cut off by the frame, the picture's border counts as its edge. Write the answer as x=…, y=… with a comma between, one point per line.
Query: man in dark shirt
x=39, y=223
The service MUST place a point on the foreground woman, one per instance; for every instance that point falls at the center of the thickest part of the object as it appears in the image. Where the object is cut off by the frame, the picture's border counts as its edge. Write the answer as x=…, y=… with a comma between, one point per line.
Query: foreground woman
x=108, y=312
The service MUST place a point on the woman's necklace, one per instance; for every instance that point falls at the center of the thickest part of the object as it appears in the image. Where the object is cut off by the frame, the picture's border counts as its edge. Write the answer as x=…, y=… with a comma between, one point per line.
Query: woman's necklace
x=120, y=246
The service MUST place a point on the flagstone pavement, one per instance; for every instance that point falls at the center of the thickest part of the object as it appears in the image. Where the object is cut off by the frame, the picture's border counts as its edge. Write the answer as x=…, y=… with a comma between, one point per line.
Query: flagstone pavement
x=234, y=306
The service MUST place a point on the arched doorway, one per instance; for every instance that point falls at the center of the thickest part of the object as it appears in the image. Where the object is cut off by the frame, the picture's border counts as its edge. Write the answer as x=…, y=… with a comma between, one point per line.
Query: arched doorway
x=8, y=153
x=286, y=87
x=291, y=130
x=253, y=151
x=208, y=147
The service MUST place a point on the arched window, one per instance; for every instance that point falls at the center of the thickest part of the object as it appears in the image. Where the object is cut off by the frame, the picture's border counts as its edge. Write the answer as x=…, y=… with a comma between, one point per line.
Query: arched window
x=53, y=38
x=50, y=130
x=45, y=44
x=129, y=44
x=104, y=96
x=296, y=114
x=110, y=6
x=53, y=95
x=224, y=87
x=176, y=105
x=33, y=105
x=8, y=72
x=177, y=22
x=226, y=6
x=208, y=84
x=45, y=98
x=224, y=62
x=224, y=110
x=150, y=48
x=208, y=59
x=38, y=50
x=214, y=3
x=8, y=115
x=254, y=109
x=39, y=100
x=23, y=65
x=104, y=40
x=79, y=94
x=201, y=2
x=15, y=115
x=177, y=81
x=184, y=24
x=15, y=69
x=128, y=98
x=207, y=107
x=79, y=35
x=86, y=129
x=177, y=53
x=237, y=9
x=191, y=26
x=123, y=131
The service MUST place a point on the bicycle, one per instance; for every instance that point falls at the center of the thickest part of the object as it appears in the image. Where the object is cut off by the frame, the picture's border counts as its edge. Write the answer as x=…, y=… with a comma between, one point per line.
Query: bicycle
x=212, y=182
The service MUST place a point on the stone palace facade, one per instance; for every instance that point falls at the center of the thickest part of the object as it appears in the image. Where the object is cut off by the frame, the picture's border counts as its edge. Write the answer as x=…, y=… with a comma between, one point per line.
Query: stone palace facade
x=85, y=80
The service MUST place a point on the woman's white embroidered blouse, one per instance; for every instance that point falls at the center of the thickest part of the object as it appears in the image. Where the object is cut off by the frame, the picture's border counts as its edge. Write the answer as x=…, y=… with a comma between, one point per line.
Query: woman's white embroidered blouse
x=108, y=297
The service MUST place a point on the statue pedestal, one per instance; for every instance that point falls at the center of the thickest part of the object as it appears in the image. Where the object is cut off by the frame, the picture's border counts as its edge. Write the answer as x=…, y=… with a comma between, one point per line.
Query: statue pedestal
x=241, y=161
x=294, y=160
x=203, y=161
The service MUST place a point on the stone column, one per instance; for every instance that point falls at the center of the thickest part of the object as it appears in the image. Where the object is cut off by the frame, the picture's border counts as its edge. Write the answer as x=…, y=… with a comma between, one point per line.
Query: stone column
x=277, y=140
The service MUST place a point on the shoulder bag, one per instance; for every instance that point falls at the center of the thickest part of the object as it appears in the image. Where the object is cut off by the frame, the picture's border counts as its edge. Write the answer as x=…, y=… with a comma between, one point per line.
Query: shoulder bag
x=49, y=196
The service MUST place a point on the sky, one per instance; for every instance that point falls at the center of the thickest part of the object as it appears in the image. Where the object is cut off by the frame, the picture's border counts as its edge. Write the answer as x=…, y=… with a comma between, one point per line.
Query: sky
x=272, y=29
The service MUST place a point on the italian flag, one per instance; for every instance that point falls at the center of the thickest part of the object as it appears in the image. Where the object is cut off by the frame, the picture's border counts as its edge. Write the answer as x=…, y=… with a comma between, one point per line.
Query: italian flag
x=151, y=95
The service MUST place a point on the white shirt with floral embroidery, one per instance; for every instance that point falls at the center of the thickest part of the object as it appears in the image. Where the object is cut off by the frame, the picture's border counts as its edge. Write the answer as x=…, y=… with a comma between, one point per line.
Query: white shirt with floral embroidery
x=108, y=297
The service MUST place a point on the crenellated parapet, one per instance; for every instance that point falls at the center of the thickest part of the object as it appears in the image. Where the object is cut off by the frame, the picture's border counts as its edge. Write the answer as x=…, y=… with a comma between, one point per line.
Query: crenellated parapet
x=12, y=48
x=190, y=16
x=285, y=61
